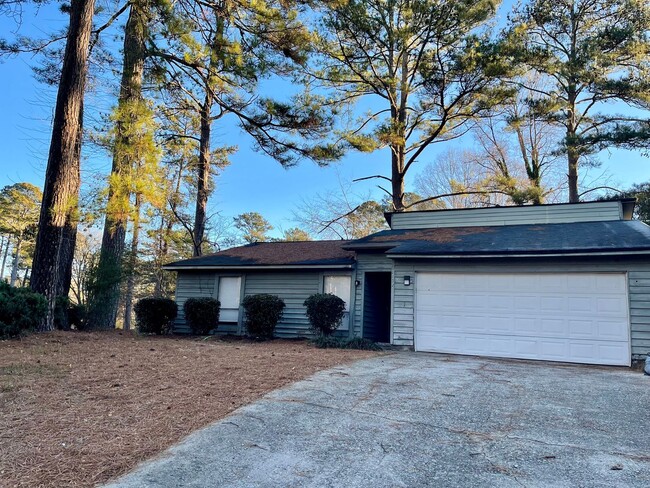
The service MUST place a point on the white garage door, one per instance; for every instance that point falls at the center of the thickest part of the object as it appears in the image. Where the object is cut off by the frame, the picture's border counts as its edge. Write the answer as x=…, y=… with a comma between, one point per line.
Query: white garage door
x=573, y=317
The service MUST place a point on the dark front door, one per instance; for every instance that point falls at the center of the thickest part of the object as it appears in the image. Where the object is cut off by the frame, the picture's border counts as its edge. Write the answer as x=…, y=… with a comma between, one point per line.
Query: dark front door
x=376, y=306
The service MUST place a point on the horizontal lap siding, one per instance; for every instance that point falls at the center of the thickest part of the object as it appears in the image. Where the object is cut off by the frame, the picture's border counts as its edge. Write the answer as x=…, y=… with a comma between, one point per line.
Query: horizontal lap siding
x=366, y=263
x=585, y=212
x=195, y=284
x=638, y=283
x=293, y=288
x=403, y=305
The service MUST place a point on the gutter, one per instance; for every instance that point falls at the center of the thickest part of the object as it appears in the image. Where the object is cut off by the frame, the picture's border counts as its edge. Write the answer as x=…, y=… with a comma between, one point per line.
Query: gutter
x=548, y=255
x=244, y=267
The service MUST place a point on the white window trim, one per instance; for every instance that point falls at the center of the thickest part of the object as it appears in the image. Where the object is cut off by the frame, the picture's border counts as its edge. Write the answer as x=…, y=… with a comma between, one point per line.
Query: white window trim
x=216, y=295
x=347, y=317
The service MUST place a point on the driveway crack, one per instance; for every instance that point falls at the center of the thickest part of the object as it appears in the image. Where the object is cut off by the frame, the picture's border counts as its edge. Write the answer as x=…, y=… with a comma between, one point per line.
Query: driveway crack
x=636, y=457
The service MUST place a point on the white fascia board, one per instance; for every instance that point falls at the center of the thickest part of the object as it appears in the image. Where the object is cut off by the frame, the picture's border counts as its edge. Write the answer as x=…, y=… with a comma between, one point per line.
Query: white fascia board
x=551, y=255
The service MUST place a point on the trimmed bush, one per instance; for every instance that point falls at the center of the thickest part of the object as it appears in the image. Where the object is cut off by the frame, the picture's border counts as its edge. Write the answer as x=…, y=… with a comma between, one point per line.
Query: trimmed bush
x=330, y=342
x=263, y=312
x=155, y=315
x=202, y=314
x=21, y=310
x=325, y=312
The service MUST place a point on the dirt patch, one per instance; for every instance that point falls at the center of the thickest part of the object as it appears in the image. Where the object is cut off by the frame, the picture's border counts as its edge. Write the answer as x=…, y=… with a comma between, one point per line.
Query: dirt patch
x=77, y=409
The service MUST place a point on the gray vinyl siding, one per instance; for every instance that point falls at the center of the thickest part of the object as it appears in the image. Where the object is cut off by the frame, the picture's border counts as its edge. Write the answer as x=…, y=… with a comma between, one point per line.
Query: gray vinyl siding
x=530, y=214
x=638, y=272
x=293, y=288
x=366, y=263
x=199, y=284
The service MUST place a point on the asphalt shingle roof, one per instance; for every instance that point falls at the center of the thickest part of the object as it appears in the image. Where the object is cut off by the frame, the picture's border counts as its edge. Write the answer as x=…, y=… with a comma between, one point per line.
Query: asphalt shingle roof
x=303, y=253
x=579, y=237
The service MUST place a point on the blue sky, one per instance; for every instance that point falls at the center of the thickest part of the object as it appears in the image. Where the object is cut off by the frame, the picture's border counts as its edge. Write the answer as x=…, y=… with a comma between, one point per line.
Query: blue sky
x=253, y=182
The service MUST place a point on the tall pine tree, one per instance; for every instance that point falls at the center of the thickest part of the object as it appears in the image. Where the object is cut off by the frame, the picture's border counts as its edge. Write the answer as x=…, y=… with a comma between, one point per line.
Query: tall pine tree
x=57, y=229
x=594, y=52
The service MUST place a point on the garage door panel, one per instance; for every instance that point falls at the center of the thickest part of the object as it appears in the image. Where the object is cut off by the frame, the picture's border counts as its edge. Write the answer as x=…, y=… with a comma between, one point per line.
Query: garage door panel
x=582, y=329
x=501, y=302
x=525, y=325
x=562, y=317
x=610, y=283
x=554, y=349
x=528, y=348
x=477, y=302
x=499, y=282
x=545, y=283
x=552, y=304
x=613, y=305
x=498, y=325
x=527, y=302
x=611, y=330
x=582, y=304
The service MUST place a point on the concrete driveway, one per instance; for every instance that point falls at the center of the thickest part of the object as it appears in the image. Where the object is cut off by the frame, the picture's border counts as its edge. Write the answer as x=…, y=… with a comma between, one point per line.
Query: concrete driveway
x=419, y=420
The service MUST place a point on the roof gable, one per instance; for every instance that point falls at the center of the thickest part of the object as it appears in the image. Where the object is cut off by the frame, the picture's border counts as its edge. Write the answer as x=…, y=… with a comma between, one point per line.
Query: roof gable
x=558, y=213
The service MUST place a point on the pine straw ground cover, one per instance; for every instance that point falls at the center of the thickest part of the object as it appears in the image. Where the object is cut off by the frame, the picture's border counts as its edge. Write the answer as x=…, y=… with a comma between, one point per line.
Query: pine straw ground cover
x=77, y=409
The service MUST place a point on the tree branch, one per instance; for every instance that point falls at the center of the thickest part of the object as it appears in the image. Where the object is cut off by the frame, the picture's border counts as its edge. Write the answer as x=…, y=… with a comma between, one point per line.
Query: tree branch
x=371, y=177
x=437, y=197
x=601, y=188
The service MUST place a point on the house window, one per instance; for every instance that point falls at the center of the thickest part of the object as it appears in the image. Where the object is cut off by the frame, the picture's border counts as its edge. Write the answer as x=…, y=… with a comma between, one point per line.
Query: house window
x=340, y=286
x=229, y=295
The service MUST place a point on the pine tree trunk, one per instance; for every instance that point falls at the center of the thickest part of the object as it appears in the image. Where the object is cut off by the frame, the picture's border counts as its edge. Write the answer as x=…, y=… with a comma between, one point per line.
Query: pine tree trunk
x=4, y=258
x=166, y=228
x=572, y=156
x=104, y=309
x=397, y=178
x=25, y=277
x=398, y=152
x=203, y=175
x=16, y=262
x=57, y=227
x=2, y=245
x=160, y=258
x=130, y=286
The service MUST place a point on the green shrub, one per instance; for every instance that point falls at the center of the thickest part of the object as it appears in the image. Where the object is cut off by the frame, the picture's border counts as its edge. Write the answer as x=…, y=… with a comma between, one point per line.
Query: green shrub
x=330, y=342
x=362, y=344
x=325, y=312
x=155, y=315
x=202, y=314
x=77, y=316
x=21, y=310
x=263, y=312
x=60, y=316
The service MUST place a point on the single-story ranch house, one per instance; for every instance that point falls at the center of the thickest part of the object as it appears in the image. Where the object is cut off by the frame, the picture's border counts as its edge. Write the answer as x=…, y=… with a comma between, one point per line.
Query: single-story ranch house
x=561, y=282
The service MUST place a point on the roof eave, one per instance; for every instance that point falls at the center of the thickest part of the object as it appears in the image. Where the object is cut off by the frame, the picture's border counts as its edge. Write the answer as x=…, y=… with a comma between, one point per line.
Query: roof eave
x=520, y=255
x=256, y=267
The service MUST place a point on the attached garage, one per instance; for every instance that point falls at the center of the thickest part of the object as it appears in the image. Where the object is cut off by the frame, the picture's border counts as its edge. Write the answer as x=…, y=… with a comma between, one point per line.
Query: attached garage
x=571, y=317
x=565, y=282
